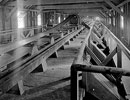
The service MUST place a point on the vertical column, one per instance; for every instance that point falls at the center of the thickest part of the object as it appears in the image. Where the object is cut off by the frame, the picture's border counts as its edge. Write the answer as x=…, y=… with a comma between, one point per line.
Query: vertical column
x=31, y=18
x=125, y=24
x=3, y=18
x=59, y=18
x=36, y=14
x=128, y=24
x=43, y=19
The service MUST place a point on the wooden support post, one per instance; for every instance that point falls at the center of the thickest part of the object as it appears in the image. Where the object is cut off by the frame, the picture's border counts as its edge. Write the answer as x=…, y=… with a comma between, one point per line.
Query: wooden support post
x=41, y=66
x=62, y=47
x=54, y=55
x=128, y=24
x=52, y=40
x=119, y=57
x=71, y=39
x=68, y=42
x=44, y=65
x=68, y=31
x=34, y=49
x=3, y=18
x=21, y=87
x=74, y=84
x=62, y=35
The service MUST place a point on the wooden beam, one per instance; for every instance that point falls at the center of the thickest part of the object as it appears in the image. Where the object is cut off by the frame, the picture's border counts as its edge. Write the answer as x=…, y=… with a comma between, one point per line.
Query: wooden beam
x=105, y=15
x=52, y=2
x=112, y=15
x=124, y=2
x=115, y=8
x=76, y=6
x=11, y=13
x=102, y=69
x=109, y=57
x=119, y=57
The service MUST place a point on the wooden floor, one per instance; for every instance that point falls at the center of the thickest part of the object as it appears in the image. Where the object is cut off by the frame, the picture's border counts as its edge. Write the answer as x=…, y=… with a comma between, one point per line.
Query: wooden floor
x=56, y=76
x=53, y=84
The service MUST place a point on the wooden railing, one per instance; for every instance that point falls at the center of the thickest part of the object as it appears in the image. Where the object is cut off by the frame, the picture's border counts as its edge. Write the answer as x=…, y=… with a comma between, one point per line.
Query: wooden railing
x=94, y=48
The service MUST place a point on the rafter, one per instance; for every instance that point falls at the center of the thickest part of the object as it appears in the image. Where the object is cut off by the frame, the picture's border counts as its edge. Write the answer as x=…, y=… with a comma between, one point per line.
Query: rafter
x=103, y=13
x=112, y=15
x=53, y=2
x=77, y=6
x=124, y=2
x=115, y=8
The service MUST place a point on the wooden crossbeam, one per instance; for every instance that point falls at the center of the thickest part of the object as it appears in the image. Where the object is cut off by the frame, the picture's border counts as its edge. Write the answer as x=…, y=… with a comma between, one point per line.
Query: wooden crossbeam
x=93, y=56
x=98, y=40
x=104, y=14
x=115, y=8
x=109, y=57
x=112, y=15
x=124, y=2
x=121, y=45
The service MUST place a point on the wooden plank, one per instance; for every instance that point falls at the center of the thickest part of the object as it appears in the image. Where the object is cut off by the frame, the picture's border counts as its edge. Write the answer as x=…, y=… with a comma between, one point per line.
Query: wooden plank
x=30, y=64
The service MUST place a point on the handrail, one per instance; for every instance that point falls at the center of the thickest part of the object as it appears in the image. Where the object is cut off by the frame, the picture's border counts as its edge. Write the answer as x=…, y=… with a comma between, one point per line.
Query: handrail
x=78, y=60
x=85, y=42
x=102, y=69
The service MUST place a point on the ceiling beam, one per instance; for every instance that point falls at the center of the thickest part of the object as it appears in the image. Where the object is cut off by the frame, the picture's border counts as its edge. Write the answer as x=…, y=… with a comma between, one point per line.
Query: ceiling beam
x=124, y=2
x=4, y=2
x=112, y=15
x=52, y=2
x=77, y=6
x=103, y=13
x=115, y=8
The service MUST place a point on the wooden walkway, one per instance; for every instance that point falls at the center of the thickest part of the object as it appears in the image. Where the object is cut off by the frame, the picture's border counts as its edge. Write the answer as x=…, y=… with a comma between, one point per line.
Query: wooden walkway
x=38, y=83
